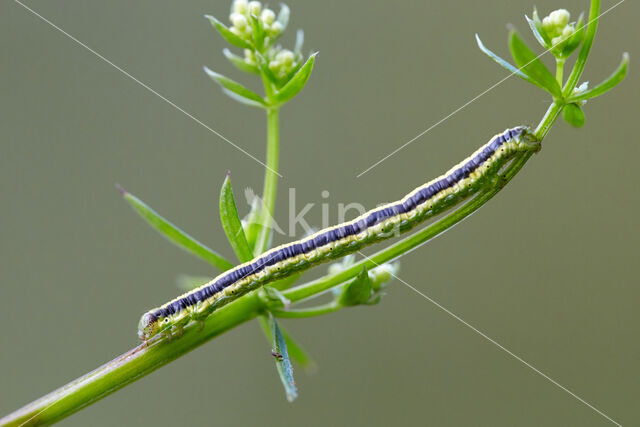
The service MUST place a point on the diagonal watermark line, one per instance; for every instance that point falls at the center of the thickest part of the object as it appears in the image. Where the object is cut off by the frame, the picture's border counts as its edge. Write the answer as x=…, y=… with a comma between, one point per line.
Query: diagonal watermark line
x=497, y=344
x=144, y=85
x=484, y=92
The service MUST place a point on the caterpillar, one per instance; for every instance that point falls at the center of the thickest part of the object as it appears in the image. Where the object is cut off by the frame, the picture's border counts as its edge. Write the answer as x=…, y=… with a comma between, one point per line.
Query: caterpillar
x=465, y=179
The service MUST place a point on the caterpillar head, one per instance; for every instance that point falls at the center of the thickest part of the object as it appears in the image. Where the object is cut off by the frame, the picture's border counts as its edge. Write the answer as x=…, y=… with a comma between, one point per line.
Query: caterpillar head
x=149, y=326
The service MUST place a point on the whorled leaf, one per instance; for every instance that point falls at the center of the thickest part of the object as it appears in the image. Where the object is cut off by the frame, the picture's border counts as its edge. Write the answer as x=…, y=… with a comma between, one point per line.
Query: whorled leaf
x=283, y=363
x=258, y=32
x=239, y=62
x=527, y=61
x=243, y=94
x=227, y=34
x=296, y=352
x=536, y=28
x=504, y=64
x=609, y=83
x=174, y=234
x=573, y=115
x=231, y=222
x=297, y=50
x=296, y=83
x=283, y=16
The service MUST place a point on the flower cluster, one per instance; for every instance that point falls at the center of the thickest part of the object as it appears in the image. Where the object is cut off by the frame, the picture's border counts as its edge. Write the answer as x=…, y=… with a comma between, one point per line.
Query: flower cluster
x=557, y=27
x=240, y=18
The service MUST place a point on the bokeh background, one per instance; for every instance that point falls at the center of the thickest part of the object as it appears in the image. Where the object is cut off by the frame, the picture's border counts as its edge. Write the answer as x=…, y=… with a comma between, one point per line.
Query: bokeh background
x=548, y=269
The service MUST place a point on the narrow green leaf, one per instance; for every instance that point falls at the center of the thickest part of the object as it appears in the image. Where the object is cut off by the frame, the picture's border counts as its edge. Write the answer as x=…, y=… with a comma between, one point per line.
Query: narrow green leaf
x=297, y=50
x=573, y=114
x=187, y=283
x=236, y=88
x=240, y=63
x=174, y=234
x=293, y=71
x=283, y=16
x=283, y=363
x=258, y=32
x=503, y=63
x=227, y=34
x=297, y=353
x=538, y=24
x=242, y=99
x=527, y=61
x=618, y=75
x=538, y=32
x=231, y=222
x=358, y=291
x=297, y=82
x=263, y=67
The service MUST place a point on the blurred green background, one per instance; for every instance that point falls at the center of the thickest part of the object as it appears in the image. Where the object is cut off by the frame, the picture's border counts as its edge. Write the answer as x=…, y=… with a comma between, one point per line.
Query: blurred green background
x=547, y=269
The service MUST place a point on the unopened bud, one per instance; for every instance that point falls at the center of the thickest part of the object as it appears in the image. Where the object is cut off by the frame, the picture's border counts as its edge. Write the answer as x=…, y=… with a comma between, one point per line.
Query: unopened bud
x=255, y=7
x=268, y=16
x=238, y=20
x=240, y=6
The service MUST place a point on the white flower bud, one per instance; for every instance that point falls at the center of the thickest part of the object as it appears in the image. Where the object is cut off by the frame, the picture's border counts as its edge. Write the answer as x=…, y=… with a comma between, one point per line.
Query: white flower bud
x=238, y=20
x=255, y=7
x=556, y=41
x=580, y=89
x=285, y=57
x=236, y=31
x=240, y=6
x=267, y=17
x=274, y=65
x=384, y=272
x=560, y=17
x=547, y=25
x=567, y=31
x=276, y=28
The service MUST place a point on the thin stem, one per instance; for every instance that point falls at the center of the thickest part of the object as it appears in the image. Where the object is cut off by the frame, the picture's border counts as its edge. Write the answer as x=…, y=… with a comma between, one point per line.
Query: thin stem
x=130, y=366
x=270, y=182
x=590, y=34
x=559, y=70
x=318, y=310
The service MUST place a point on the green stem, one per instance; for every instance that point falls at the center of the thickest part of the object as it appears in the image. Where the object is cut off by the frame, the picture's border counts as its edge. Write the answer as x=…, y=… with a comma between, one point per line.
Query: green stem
x=559, y=70
x=143, y=360
x=129, y=367
x=572, y=81
x=318, y=310
x=270, y=182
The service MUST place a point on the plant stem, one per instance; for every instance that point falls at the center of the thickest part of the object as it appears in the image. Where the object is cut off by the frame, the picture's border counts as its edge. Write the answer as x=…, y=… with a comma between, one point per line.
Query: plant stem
x=559, y=70
x=318, y=310
x=143, y=360
x=270, y=181
x=581, y=61
x=130, y=367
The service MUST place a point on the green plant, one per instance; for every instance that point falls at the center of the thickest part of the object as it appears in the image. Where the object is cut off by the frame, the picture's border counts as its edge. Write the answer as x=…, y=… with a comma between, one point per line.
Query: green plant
x=284, y=74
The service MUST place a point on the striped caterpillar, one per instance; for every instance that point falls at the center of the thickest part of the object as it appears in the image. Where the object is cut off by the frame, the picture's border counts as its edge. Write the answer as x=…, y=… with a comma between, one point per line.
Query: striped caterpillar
x=468, y=177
